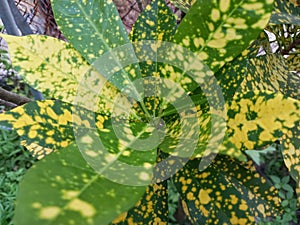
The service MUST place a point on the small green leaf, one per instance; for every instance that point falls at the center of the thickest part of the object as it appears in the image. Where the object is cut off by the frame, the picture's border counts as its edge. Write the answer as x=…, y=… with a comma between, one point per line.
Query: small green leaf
x=219, y=30
x=226, y=192
x=62, y=189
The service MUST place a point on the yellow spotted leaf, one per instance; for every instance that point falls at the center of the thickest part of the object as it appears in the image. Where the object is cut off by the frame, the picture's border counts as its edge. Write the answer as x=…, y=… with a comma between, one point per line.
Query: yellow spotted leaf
x=152, y=208
x=95, y=29
x=184, y=5
x=55, y=68
x=270, y=73
x=227, y=192
x=286, y=12
x=256, y=119
x=219, y=30
x=63, y=189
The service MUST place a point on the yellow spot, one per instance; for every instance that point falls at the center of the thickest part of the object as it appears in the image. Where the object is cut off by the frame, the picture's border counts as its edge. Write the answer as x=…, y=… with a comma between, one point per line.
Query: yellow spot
x=243, y=206
x=69, y=194
x=87, y=140
x=220, y=43
x=110, y=158
x=211, y=26
x=198, y=42
x=84, y=208
x=215, y=15
x=234, y=199
x=204, y=197
x=203, y=55
x=190, y=196
x=121, y=217
x=224, y=5
x=91, y=153
x=261, y=209
x=32, y=134
x=36, y=205
x=150, y=23
x=49, y=212
x=51, y=113
x=204, y=211
x=144, y=176
x=186, y=41
x=253, y=6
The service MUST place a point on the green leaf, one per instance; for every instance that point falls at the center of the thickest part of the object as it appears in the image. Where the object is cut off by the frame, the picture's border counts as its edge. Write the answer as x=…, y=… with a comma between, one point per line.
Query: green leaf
x=95, y=28
x=285, y=12
x=92, y=27
x=256, y=119
x=152, y=208
x=63, y=189
x=270, y=73
x=184, y=5
x=226, y=192
x=219, y=30
x=256, y=155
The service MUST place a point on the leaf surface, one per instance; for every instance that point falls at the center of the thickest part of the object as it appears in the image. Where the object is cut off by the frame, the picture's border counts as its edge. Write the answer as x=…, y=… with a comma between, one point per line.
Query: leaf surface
x=226, y=192
x=152, y=208
x=256, y=119
x=62, y=189
x=57, y=69
x=219, y=30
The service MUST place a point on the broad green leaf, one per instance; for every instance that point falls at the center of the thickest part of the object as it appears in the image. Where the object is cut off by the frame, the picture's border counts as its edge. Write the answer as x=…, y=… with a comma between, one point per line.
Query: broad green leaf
x=270, y=73
x=152, y=208
x=256, y=119
x=227, y=192
x=62, y=189
x=95, y=28
x=285, y=12
x=219, y=30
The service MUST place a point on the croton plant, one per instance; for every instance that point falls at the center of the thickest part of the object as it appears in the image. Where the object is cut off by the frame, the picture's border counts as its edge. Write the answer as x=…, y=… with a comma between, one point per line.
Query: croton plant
x=126, y=115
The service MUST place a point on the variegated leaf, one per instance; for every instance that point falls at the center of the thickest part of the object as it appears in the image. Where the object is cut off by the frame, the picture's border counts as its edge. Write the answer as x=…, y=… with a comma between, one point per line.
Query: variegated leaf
x=184, y=5
x=152, y=208
x=270, y=73
x=219, y=30
x=55, y=68
x=95, y=28
x=256, y=119
x=286, y=12
x=64, y=190
x=227, y=192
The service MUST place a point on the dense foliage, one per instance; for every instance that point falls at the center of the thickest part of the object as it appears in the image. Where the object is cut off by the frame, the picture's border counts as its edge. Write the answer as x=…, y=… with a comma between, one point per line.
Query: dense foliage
x=181, y=104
